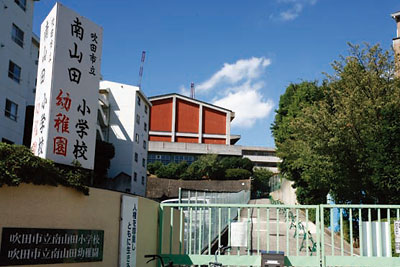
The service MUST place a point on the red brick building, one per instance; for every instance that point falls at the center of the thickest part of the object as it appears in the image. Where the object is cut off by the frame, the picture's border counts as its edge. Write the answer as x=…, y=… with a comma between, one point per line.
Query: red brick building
x=177, y=118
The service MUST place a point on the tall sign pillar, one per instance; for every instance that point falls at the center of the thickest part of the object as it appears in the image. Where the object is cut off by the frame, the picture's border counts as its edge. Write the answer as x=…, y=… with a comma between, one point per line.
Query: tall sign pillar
x=396, y=42
x=64, y=124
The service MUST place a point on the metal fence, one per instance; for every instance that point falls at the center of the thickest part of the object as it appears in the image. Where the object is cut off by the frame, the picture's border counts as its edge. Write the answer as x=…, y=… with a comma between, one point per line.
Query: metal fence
x=200, y=220
x=365, y=236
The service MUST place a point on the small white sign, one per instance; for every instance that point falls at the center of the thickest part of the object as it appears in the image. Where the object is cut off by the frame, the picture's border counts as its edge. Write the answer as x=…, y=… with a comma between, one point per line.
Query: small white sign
x=396, y=226
x=239, y=234
x=128, y=231
x=66, y=102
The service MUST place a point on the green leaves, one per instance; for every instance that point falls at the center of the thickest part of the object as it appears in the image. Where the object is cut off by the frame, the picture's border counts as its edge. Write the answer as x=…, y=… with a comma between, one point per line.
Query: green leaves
x=345, y=139
x=19, y=165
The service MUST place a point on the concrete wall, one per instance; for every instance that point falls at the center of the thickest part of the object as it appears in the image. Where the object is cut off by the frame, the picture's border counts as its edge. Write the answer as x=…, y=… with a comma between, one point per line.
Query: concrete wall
x=158, y=188
x=286, y=194
x=32, y=206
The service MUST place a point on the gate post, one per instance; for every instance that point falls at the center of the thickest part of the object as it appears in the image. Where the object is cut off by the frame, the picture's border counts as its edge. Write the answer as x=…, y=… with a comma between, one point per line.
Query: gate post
x=322, y=233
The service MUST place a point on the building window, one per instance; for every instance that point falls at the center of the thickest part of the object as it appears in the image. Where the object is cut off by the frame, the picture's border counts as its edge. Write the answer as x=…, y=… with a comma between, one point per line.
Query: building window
x=144, y=162
x=138, y=100
x=14, y=71
x=145, y=109
x=135, y=176
x=11, y=110
x=4, y=140
x=144, y=144
x=142, y=180
x=17, y=35
x=136, y=156
x=137, y=119
x=145, y=127
x=21, y=3
x=137, y=138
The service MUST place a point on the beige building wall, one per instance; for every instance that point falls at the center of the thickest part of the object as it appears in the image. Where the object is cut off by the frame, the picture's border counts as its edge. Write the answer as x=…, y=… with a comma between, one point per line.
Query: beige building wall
x=33, y=206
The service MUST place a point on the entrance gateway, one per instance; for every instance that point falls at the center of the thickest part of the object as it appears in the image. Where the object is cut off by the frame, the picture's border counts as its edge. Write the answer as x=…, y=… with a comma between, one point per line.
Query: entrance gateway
x=301, y=233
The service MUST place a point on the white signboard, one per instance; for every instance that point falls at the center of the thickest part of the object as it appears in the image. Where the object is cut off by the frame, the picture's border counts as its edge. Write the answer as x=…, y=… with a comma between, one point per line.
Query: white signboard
x=396, y=226
x=64, y=125
x=128, y=231
x=239, y=234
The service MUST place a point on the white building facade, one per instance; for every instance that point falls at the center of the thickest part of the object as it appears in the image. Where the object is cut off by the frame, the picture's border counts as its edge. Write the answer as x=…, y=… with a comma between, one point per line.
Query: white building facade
x=124, y=121
x=19, y=50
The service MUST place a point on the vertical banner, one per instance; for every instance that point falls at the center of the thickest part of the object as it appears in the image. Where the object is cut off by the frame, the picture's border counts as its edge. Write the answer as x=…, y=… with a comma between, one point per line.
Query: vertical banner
x=64, y=127
x=396, y=230
x=128, y=231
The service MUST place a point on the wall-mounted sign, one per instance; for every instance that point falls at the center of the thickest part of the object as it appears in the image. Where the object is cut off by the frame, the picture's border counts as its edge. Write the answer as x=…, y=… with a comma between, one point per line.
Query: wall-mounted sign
x=239, y=234
x=28, y=246
x=128, y=231
x=64, y=124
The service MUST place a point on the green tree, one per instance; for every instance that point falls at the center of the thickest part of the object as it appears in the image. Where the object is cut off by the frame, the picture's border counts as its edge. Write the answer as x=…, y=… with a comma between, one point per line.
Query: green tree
x=237, y=174
x=18, y=165
x=154, y=166
x=260, y=182
x=347, y=141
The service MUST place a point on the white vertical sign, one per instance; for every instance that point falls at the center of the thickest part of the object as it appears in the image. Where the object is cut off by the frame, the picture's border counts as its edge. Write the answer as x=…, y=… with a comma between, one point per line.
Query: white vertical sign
x=128, y=231
x=239, y=234
x=64, y=128
x=396, y=226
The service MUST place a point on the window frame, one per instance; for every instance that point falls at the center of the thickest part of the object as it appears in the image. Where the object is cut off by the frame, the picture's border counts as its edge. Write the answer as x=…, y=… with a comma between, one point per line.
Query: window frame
x=136, y=156
x=135, y=177
x=8, y=111
x=12, y=74
x=21, y=4
x=19, y=40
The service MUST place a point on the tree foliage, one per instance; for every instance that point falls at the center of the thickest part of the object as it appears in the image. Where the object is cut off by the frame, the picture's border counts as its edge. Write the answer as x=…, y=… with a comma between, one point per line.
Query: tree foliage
x=260, y=182
x=18, y=165
x=342, y=137
x=209, y=166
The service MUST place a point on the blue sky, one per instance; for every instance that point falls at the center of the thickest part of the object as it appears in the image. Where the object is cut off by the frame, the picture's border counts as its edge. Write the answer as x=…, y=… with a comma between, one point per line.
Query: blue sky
x=241, y=55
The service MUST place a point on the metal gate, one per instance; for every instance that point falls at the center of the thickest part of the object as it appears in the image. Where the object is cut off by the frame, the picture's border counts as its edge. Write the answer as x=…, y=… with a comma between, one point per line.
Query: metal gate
x=186, y=233
x=308, y=235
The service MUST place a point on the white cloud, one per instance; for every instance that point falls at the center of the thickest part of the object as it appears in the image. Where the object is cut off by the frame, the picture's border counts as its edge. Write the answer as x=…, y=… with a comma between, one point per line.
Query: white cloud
x=291, y=13
x=293, y=8
x=249, y=105
x=232, y=73
x=239, y=87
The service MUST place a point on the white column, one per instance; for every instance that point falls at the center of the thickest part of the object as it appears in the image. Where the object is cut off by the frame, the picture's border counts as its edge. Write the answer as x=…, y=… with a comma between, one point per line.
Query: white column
x=228, y=128
x=173, y=119
x=200, y=123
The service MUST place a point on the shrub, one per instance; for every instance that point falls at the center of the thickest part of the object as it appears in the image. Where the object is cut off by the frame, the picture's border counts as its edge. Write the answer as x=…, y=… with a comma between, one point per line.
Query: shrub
x=260, y=182
x=18, y=165
x=237, y=174
x=172, y=170
x=153, y=167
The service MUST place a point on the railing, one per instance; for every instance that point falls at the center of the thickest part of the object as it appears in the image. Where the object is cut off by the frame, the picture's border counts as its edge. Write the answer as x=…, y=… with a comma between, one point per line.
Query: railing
x=264, y=228
x=365, y=235
x=201, y=220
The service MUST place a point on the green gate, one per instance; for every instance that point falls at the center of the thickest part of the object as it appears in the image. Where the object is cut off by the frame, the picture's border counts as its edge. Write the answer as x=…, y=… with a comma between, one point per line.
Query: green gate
x=308, y=235
x=186, y=235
